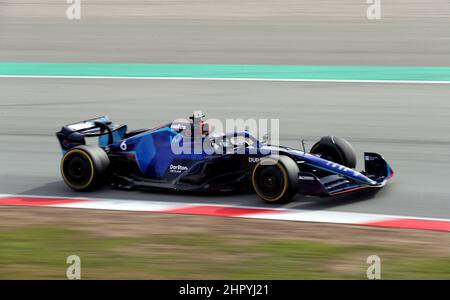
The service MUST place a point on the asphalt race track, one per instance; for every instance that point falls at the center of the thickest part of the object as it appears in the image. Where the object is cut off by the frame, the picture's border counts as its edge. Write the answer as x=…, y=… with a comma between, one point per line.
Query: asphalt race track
x=408, y=123
x=411, y=133
x=281, y=32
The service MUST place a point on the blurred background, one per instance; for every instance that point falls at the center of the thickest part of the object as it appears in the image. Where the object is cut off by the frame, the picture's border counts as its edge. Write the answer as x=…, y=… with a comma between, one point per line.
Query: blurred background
x=409, y=123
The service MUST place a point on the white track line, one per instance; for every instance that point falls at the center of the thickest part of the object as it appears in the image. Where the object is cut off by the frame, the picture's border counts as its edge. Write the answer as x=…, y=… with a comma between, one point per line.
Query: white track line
x=235, y=79
x=122, y=205
x=281, y=213
x=299, y=215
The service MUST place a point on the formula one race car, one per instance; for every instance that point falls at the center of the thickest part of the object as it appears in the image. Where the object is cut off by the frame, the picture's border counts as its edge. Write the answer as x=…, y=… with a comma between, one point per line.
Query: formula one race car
x=233, y=161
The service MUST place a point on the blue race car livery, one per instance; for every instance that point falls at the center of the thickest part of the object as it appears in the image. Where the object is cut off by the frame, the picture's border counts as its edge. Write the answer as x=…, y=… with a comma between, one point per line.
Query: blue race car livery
x=145, y=159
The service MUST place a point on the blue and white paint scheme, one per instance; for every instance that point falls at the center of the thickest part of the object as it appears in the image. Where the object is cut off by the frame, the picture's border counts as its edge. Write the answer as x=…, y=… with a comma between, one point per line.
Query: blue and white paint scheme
x=148, y=156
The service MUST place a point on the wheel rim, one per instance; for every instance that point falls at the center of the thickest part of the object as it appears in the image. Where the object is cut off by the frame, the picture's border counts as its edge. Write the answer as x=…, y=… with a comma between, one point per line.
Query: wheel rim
x=77, y=170
x=270, y=182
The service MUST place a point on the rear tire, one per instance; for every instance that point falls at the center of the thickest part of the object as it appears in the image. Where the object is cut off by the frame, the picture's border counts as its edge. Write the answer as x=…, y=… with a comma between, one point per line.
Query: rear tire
x=276, y=182
x=335, y=149
x=83, y=168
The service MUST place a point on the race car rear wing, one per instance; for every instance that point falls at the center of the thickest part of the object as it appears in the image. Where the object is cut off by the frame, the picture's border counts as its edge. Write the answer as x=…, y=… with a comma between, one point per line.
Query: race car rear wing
x=75, y=134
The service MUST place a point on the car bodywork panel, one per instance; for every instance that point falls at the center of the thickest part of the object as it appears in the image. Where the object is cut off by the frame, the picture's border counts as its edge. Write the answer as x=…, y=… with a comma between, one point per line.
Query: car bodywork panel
x=144, y=159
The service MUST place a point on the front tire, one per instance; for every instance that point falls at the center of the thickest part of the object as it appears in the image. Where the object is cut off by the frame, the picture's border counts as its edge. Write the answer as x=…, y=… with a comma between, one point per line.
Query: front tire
x=83, y=168
x=335, y=149
x=275, y=179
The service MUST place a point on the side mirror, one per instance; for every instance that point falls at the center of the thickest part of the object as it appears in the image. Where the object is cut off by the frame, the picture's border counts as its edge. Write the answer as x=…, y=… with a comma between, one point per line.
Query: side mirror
x=265, y=139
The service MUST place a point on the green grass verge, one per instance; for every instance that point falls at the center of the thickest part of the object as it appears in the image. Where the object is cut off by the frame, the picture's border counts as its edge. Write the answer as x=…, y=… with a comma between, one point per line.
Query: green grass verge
x=40, y=252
